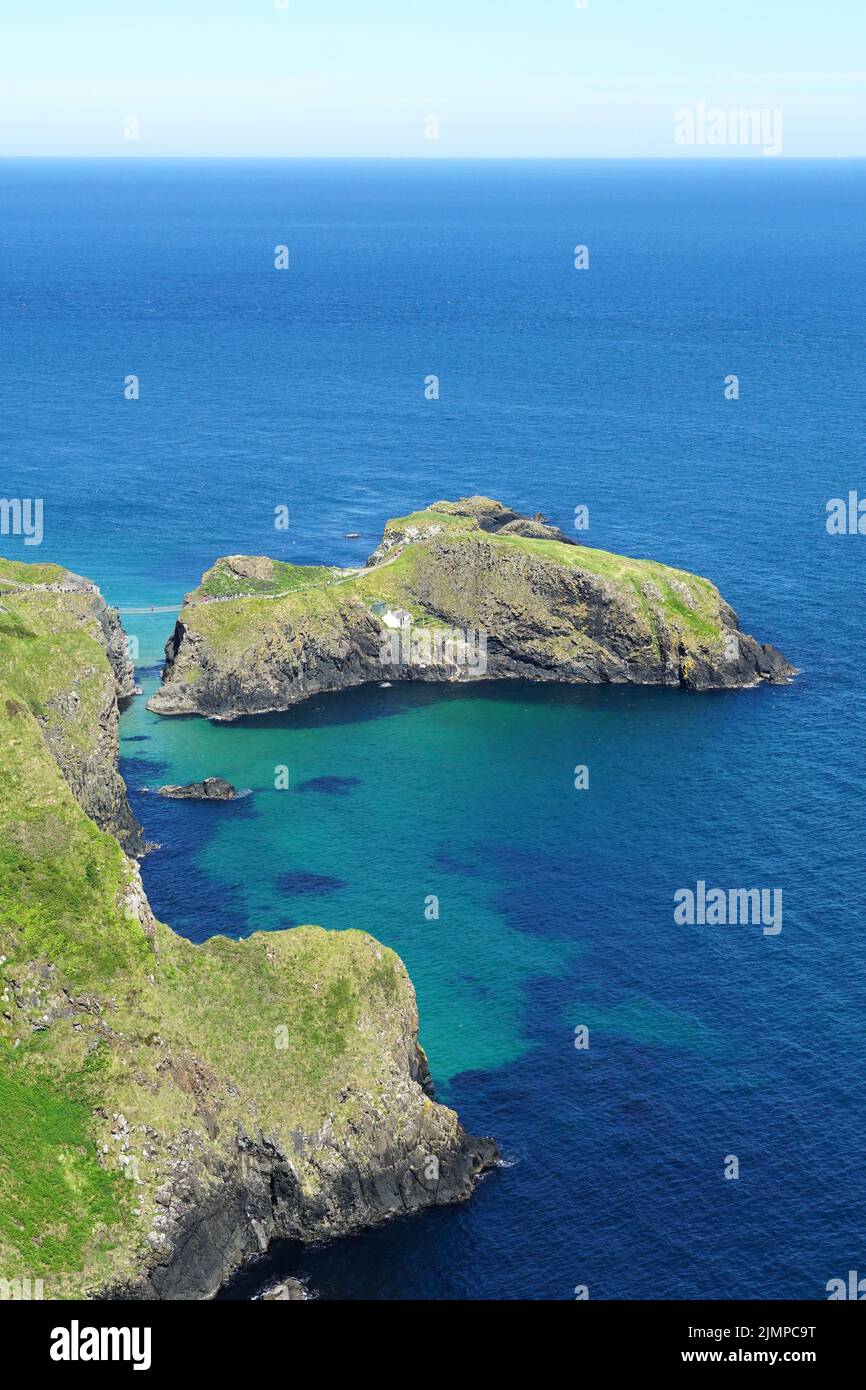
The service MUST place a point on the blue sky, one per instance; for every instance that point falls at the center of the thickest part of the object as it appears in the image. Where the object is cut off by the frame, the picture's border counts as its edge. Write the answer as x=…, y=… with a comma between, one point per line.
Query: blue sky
x=361, y=77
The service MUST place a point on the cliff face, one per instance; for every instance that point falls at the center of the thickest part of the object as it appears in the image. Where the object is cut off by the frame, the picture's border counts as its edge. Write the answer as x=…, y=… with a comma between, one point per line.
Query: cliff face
x=49, y=622
x=461, y=591
x=225, y=1201
x=167, y=1109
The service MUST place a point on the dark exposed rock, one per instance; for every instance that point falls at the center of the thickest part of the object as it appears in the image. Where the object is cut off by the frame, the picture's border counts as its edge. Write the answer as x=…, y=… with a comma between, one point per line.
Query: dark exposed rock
x=290, y=1291
x=211, y=789
x=218, y=1212
x=89, y=764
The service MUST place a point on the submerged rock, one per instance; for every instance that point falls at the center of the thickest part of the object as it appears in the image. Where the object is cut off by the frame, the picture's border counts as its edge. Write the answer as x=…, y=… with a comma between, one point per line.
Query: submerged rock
x=211, y=789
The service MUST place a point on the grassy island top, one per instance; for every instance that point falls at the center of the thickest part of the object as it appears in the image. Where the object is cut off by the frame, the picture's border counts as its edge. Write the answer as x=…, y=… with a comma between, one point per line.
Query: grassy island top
x=14, y=574
x=457, y=537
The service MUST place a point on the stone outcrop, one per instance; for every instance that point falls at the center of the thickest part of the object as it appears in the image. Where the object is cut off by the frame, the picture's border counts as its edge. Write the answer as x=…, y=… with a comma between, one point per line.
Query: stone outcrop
x=211, y=789
x=222, y=1204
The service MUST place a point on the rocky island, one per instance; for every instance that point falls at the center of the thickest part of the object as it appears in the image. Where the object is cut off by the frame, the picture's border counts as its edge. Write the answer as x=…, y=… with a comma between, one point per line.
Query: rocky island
x=167, y=1109
x=465, y=590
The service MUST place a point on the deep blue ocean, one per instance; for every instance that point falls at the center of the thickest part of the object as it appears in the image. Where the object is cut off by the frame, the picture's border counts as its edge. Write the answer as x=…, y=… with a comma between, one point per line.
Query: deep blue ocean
x=558, y=387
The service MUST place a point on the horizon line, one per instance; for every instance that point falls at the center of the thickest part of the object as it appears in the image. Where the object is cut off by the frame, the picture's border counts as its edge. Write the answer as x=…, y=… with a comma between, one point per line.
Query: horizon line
x=756, y=158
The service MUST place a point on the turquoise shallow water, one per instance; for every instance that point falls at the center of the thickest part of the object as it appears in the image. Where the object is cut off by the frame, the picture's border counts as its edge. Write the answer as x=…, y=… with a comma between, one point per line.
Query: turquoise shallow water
x=347, y=854
x=556, y=905
x=468, y=794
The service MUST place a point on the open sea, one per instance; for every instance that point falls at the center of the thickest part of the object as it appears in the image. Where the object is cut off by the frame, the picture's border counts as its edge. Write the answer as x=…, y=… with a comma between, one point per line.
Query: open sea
x=606, y=387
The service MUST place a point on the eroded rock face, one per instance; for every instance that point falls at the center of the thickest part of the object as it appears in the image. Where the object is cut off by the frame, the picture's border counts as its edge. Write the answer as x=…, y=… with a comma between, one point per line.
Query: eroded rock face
x=293, y=662
x=80, y=723
x=92, y=773
x=220, y=1206
x=548, y=609
x=116, y=649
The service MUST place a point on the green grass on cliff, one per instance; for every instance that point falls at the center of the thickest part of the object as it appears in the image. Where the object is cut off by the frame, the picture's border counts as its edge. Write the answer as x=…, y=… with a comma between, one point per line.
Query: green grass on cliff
x=46, y=652
x=60, y=876
x=427, y=519
x=57, y=1204
x=221, y=581
x=17, y=573
x=696, y=608
x=60, y=1211
x=289, y=1012
x=268, y=1031
x=246, y=622
x=244, y=625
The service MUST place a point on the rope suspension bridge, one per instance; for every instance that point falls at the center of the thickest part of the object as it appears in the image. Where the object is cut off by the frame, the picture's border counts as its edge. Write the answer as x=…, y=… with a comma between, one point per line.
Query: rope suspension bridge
x=152, y=608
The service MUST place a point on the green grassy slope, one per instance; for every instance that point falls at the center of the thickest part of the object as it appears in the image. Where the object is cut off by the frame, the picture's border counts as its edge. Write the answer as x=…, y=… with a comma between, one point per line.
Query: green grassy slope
x=685, y=601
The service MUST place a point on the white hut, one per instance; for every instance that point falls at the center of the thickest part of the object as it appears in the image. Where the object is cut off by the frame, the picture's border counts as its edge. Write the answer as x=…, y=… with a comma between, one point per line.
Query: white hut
x=396, y=618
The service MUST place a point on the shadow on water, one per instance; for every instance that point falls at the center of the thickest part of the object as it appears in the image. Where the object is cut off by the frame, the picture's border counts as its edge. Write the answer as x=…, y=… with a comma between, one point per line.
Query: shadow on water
x=139, y=773
x=378, y=701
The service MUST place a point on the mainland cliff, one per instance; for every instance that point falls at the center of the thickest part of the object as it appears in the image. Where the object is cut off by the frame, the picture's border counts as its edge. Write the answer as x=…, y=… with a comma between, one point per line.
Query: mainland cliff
x=167, y=1109
x=48, y=618
x=467, y=590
